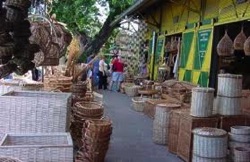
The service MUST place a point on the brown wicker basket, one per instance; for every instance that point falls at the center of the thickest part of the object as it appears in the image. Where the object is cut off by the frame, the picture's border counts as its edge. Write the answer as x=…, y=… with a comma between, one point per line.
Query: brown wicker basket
x=225, y=46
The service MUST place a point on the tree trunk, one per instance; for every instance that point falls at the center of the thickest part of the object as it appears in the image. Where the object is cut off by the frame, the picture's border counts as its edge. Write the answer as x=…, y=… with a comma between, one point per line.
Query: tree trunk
x=96, y=44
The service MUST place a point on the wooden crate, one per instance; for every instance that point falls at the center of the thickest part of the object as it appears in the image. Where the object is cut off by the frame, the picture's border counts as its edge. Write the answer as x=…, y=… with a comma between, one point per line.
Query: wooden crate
x=149, y=108
x=174, y=121
x=226, y=122
x=185, y=139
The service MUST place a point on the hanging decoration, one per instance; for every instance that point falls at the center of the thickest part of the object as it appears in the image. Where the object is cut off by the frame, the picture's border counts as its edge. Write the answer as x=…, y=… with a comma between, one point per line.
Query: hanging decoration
x=225, y=46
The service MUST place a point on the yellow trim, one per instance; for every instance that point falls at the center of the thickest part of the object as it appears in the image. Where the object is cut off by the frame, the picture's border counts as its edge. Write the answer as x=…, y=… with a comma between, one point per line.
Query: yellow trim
x=196, y=76
x=181, y=74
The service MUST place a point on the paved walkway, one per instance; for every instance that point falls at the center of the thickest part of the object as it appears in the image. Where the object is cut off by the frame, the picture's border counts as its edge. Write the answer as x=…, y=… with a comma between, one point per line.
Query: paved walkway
x=131, y=140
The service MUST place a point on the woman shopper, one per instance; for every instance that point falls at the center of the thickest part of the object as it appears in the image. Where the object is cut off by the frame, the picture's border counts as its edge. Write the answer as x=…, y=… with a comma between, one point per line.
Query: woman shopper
x=102, y=74
x=117, y=76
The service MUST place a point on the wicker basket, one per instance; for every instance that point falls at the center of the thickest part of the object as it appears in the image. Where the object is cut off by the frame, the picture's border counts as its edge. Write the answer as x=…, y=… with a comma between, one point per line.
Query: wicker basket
x=229, y=105
x=241, y=130
x=202, y=159
x=53, y=147
x=225, y=46
x=132, y=91
x=239, y=138
x=229, y=85
x=233, y=144
x=138, y=103
x=201, y=102
x=210, y=142
x=149, y=107
x=241, y=154
x=9, y=159
x=88, y=109
x=32, y=112
x=161, y=122
x=79, y=89
x=247, y=47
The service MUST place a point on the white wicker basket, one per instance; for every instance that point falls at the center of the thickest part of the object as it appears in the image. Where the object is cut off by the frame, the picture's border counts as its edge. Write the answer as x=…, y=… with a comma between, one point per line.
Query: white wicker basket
x=229, y=85
x=202, y=159
x=241, y=154
x=9, y=159
x=132, y=91
x=138, y=103
x=239, y=138
x=53, y=147
x=228, y=105
x=210, y=142
x=202, y=99
x=233, y=144
x=240, y=130
x=32, y=112
x=161, y=122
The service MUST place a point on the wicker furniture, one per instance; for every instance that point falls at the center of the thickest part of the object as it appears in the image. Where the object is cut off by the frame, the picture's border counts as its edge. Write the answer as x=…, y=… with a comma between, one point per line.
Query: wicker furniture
x=52, y=147
x=32, y=112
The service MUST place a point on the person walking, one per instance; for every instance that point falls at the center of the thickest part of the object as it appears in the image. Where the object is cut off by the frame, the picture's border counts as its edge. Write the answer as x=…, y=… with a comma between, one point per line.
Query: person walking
x=102, y=74
x=117, y=76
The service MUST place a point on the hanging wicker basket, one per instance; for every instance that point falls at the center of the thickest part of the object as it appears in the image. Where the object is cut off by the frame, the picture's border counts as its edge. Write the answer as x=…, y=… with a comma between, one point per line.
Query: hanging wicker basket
x=225, y=46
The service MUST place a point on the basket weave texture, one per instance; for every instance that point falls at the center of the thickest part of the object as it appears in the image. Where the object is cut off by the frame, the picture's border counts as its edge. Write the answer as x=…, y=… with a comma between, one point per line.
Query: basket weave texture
x=201, y=102
x=202, y=159
x=38, y=147
x=228, y=105
x=161, y=122
x=149, y=108
x=229, y=85
x=210, y=142
x=132, y=91
x=32, y=112
x=241, y=154
x=138, y=103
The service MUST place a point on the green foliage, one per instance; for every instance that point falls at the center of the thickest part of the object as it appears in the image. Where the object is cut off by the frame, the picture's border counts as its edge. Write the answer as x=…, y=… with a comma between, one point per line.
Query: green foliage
x=82, y=15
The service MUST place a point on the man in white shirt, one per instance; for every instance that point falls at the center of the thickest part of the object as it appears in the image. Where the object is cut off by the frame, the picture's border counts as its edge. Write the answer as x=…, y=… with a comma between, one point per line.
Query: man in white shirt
x=102, y=74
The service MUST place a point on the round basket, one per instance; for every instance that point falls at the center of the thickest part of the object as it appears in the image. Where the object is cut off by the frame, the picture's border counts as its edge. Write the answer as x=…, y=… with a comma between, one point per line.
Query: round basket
x=229, y=85
x=131, y=91
x=228, y=105
x=233, y=144
x=9, y=159
x=201, y=102
x=161, y=122
x=202, y=159
x=210, y=142
x=241, y=154
x=138, y=103
x=100, y=125
x=79, y=89
x=239, y=137
x=243, y=130
x=88, y=109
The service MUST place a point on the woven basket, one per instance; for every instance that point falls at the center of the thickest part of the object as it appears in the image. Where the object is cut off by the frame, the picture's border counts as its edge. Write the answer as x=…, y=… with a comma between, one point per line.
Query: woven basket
x=229, y=85
x=210, y=142
x=32, y=112
x=88, y=109
x=241, y=130
x=132, y=91
x=101, y=125
x=228, y=105
x=241, y=154
x=201, y=102
x=202, y=159
x=247, y=47
x=138, y=103
x=9, y=159
x=79, y=89
x=225, y=46
x=240, y=40
x=233, y=144
x=53, y=147
x=161, y=122
x=149, y=107
x=239, y=138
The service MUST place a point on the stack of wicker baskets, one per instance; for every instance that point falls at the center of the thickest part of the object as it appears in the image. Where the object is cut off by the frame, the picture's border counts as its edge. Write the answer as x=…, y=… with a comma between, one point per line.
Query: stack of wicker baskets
x=229, y=94
x=138, y=103
x=210, y=145
x=131, y=90
x=95, y=141
x=240, y=143
x=82, y=111
x=57, y=83
x=79, y=89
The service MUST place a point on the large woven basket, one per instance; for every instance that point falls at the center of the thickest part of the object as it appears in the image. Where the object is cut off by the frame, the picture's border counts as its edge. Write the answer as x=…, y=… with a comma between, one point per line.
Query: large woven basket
x=9, y=159
x=52, y=147
x=32, y=112
x=239, y=138
x=201, y=102
x=138, y=103
x=241, y=154
x=161, y=122
x=241, y=130
x=202, y=159
x=132, y=91
x=229, y=105
x=210, y=142
x=229, y=85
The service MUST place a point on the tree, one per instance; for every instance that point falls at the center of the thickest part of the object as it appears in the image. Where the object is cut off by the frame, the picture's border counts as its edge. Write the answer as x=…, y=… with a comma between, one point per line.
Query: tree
x=83, y=16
